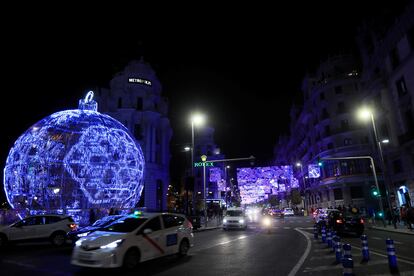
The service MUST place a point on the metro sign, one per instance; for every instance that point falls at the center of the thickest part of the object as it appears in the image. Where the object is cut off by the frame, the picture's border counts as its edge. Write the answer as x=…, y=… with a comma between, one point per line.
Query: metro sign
x=137, y=80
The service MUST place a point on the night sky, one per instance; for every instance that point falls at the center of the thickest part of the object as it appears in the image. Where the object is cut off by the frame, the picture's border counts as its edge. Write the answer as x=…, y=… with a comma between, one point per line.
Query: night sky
x=240, y=65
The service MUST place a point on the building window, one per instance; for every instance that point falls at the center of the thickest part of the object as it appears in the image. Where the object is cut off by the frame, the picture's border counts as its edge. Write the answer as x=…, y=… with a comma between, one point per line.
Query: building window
x=139, y=103
x=341, y=107
x=410, y=36
x=357, y=192
x=324, y=114
x=401, y=87
x=394, y=58
x=322, y=96
x=138, y=131
x=397, y=166
x=344, y=125
x=347, y=141
x=119, y=102
x=327, y=131
x=338, y=194
x=338, y=89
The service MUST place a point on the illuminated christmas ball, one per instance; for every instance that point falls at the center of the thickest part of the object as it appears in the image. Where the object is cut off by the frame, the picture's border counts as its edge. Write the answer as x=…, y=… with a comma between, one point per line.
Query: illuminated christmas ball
x=74, y=159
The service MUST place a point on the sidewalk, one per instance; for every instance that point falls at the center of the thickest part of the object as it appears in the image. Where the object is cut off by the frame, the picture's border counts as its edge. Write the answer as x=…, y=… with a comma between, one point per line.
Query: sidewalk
x=390, y=228
x=213, y=223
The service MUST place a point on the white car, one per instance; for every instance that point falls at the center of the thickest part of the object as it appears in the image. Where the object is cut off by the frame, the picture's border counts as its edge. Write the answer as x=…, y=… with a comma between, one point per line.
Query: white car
x=41, y=227
x=134, y=239
x=235, y=218
x=288, y=212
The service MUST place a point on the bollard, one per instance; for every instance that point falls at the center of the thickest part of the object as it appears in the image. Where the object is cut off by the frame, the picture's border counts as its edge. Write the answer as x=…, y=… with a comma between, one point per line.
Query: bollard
x=315, y=231
x=329, y=238
x=348, y=267
x=338, y=249
x=323, y=234
x=347, y=251
x=392, y=258
x=333, y=241
x=365, y=249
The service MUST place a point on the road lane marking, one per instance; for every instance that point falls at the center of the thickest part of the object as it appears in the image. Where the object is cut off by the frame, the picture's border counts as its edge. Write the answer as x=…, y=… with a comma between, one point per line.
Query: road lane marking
x=339, y=266
x=376, y=238
x=402, y=273
x=286, y=228
x=304, y=256
x=397, y=242
x=399, y=258
x=19, y=264
x=221, y=243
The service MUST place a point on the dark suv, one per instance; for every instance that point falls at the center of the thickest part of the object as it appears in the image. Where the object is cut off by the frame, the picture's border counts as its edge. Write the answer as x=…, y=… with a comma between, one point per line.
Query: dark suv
x=344, y=223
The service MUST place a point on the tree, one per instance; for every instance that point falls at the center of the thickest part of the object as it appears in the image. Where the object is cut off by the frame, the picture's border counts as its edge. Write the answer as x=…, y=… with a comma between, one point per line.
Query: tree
x=295, y=197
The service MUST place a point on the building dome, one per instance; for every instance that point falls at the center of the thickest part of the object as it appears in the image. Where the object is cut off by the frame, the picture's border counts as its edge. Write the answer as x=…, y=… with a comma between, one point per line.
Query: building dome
x=74, y=159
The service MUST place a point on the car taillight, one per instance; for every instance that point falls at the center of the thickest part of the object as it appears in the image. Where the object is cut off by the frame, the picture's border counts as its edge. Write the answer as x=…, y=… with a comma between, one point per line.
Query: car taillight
x=361, y=221
x=72, y=226
x=339, y=221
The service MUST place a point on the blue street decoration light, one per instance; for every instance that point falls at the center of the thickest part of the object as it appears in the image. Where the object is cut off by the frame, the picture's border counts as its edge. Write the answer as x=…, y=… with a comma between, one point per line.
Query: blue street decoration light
x=74, y=159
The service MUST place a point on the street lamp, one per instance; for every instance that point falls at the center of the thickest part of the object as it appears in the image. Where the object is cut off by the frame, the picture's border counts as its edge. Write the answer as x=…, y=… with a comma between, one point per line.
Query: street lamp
x=298, y=164
x=366, y=114
x=197, y=119
x=225, y=179
x=204, y=159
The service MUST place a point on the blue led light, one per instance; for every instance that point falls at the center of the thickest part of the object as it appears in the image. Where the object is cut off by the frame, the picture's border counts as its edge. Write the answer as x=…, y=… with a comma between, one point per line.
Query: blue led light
x=74, y=159
x=257, y=183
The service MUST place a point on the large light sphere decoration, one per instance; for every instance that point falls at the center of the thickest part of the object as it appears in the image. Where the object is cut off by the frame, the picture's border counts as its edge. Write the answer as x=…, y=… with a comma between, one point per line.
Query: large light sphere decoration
x=74, y=160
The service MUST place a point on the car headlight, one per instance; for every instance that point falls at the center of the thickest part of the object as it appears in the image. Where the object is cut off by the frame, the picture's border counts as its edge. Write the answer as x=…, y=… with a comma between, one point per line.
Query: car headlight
x=82, y=234
x=241, y=221
x=113, y=244
x=266, y=221
x=78, y=242
x=224, y=220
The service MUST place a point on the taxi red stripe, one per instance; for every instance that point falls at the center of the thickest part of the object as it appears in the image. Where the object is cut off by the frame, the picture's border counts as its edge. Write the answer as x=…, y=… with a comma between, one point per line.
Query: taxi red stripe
x=153, y=243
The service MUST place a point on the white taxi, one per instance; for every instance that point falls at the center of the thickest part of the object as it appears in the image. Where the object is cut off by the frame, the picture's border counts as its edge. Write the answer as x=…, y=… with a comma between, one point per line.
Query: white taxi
x=133, y=239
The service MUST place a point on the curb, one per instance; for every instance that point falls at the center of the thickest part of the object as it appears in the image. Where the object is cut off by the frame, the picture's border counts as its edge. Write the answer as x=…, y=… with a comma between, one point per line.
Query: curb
x=389, y=230
x=205, y=229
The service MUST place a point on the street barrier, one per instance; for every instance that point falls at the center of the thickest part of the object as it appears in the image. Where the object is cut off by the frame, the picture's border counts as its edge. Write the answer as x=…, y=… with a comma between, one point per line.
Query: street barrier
x=392, y=258
x=315, y=231
x=338, y=249
x=347, y=251
x=333, y=241
x=329, y=238
x=348, y=267
x=323, y=234
x=364, y=248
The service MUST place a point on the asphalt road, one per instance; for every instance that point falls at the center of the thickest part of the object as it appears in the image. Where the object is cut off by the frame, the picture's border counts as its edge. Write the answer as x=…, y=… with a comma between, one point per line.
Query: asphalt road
x=288, y=250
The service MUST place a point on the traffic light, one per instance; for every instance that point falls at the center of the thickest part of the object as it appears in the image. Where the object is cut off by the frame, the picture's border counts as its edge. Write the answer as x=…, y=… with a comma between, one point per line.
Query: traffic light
x=380, y=214
x=374, y=191
x=320, y=162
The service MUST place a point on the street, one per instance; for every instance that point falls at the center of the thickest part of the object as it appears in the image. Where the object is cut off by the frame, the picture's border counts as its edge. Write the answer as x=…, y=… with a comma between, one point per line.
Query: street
x=283, y=251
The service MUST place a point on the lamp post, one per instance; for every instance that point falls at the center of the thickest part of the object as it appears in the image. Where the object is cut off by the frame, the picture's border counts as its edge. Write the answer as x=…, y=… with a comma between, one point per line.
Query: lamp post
x=204, y=159
x=197, y=119
x=364, y=114
x=225, y=179
x=298, y=164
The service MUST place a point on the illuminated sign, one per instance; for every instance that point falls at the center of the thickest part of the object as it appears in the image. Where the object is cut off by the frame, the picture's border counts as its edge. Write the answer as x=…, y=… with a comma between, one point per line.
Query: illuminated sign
x=137, y=80
x=314, y=171
x=203, y=164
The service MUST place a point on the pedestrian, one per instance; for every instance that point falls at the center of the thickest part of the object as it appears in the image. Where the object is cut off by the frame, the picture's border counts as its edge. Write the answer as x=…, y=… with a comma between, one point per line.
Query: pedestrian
x=92, y=216
x=410, y=217
x=396, y=217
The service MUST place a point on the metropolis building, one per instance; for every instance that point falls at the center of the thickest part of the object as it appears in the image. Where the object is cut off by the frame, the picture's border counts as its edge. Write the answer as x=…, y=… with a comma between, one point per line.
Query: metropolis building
x=326, y=125
x=134, y=98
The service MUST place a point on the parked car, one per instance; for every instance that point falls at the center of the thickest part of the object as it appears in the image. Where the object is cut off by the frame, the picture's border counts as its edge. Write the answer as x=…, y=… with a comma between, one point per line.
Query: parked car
x=133, y=239
x=97, y=225
x=40, y=227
